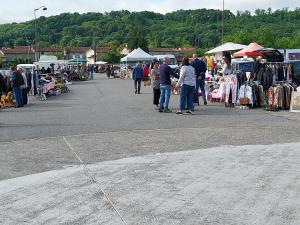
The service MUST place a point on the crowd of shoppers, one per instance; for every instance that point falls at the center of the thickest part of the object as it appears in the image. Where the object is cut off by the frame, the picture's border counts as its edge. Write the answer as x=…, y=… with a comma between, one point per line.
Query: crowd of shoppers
x=18, y=81
x=192, y=77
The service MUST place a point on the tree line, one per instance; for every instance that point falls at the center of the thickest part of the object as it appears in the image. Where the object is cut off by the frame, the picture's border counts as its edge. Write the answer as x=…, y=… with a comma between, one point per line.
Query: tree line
x=199, y=28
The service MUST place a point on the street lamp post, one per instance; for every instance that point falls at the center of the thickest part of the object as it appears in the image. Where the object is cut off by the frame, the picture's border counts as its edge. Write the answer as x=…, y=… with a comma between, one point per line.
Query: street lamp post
x=223, y=24
x=35, y=31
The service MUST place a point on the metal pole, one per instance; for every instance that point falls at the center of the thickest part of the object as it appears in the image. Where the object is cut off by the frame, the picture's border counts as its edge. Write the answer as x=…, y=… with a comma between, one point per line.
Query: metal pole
x=35, y=32
x=28, y=54
x=35, y=35
x=223, y=24
x=95, y=51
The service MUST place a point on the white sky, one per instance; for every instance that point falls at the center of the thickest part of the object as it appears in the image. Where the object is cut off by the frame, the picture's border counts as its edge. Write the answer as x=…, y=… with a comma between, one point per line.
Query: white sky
x=22, y=10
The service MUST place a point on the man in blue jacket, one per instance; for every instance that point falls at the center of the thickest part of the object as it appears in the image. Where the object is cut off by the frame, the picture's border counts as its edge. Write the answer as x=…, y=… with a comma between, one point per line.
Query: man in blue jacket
x=200, y=70
x=137, y=75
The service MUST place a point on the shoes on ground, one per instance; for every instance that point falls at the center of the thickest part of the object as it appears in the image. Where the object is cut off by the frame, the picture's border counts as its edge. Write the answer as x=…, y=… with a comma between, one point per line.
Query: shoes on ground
x=188, y=113
x=167, y=111
x=179, y=112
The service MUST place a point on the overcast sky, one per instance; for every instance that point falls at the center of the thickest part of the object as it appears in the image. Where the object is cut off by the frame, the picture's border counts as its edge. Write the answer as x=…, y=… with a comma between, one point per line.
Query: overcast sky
x=22, y=10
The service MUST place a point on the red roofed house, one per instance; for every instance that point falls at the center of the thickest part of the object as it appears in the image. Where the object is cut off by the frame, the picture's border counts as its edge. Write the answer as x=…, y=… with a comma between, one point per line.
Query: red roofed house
x=9, y=54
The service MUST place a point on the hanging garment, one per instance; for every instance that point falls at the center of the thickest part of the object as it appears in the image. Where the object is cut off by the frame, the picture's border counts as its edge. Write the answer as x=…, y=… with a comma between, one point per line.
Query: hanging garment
x=231, y=89
x=219, y=93
x=273, y=98
x=281, y=97
x=246, y=91
x=262, y=96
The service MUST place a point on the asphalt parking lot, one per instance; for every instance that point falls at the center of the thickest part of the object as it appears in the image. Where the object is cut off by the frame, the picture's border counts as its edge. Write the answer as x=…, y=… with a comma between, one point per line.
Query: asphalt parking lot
x=217, y=166
x=105, y=120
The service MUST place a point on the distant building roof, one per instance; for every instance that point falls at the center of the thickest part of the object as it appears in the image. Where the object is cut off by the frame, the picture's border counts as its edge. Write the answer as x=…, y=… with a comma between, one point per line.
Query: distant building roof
x=50, y=49
x=16, y=50
x=77, y=49
x=103, y=49
x=163, y=50
x=186, y=50
x=175, y=50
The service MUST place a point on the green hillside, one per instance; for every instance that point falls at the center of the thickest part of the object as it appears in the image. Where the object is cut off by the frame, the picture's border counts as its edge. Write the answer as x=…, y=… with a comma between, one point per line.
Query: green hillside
x=184, y=28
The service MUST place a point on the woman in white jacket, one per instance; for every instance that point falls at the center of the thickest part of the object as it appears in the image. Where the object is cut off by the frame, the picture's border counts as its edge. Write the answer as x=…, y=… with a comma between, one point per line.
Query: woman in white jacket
x=186, y=82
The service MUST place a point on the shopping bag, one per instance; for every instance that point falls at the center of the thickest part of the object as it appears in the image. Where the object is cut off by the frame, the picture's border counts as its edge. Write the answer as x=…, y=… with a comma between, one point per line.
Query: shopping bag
x=244, y=101
x=147, y=83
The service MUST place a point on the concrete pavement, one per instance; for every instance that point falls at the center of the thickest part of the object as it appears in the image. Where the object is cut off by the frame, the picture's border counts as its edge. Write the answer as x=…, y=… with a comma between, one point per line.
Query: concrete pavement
x=105, y=120
x=237, y=172
x=236, y=185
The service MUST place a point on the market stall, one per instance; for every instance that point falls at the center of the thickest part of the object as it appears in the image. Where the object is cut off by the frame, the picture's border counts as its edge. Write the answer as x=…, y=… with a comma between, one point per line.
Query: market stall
x=52, y=85
x=137, y=55
x=229, y=46
x=249, y=51
x=270, y=85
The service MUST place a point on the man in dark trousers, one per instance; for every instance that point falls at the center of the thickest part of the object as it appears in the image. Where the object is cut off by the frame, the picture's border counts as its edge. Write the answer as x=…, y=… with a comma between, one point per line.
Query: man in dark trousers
x=200, y=70
x=137, y=75
x=2, y=85
x=17, y=81
x=165, y=73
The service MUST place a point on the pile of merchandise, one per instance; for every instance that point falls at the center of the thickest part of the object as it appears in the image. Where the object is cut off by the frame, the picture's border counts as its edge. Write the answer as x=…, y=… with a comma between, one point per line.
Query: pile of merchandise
x=271, y=87
x=52, y=86
x=7, y=101
x=173, y=84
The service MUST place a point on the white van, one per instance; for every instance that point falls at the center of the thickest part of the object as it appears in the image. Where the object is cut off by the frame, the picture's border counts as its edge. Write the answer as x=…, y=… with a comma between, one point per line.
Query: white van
x=173, y=62
x=31, y=67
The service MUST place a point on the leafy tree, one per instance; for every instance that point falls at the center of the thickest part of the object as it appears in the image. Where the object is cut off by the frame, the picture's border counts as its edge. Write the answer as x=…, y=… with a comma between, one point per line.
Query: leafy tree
x=199, y=28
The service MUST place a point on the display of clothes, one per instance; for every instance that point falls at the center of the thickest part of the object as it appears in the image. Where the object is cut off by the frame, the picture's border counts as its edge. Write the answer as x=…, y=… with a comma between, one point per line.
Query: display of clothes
x=268, y=87
x=258, y=94
x=218, y=94
x=279, y=97
x=246, y=92
x=265, y=76
x=231, y=87
x=270, y=73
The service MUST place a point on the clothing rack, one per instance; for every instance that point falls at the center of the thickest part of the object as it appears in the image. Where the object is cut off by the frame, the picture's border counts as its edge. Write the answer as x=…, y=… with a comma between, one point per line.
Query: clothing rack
x=285, y=73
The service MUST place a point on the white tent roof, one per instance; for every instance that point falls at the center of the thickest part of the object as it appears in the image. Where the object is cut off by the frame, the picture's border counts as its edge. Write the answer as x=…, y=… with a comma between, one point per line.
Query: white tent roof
x=137, y=55
x=101, y=63
x=229, y=46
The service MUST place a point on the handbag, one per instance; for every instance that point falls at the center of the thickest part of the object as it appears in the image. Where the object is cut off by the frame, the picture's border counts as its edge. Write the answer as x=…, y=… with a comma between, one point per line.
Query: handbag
x=147, y=83
x=244, y=100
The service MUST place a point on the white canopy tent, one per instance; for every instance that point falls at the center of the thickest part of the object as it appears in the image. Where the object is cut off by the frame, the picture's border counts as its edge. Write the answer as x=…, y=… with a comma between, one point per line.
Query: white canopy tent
x=137, y=55
x=229, y=46
x=101, y=63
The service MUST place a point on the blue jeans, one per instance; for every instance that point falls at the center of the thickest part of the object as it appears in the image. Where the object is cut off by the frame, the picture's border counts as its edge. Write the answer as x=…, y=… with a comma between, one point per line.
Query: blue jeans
x=18, y=96
x=137, y=84
x=91, y=77
x=186, y=95
x=201, y=84
x=165, y=93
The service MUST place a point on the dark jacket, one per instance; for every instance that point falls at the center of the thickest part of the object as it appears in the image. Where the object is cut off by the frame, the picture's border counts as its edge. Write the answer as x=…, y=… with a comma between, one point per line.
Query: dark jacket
x=28, y=77
x=18, y=80
x=200, y=68
x=2, y=84
x=137, y=72
x=165, y=73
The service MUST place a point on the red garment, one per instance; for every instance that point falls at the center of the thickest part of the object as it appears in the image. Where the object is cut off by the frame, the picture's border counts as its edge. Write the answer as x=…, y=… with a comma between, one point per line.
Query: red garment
x=146, y=71
x=214, y=64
